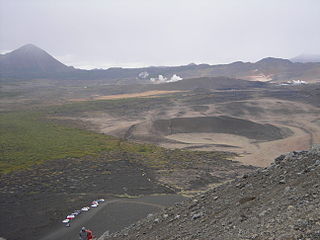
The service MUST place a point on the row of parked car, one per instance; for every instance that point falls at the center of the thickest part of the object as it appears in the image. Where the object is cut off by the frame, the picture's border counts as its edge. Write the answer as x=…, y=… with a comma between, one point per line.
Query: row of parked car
x=70, y=217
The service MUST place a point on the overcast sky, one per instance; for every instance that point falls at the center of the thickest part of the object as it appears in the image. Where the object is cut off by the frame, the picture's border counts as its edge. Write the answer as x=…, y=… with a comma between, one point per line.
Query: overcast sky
x=105, y=33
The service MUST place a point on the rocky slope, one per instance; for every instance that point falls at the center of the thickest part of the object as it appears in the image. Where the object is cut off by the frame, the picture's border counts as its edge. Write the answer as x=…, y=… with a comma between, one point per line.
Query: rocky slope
x=278, y=202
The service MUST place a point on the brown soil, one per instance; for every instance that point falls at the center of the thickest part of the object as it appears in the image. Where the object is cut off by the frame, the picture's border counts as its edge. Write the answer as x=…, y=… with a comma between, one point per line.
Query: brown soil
x=129, y=95
x=299, y=119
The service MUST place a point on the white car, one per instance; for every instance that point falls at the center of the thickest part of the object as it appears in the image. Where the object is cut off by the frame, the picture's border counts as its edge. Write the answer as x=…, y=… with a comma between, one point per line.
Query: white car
x=85, y=209
x=76, y=213
x=70, y=216
x=66, y=221
x=94, y=205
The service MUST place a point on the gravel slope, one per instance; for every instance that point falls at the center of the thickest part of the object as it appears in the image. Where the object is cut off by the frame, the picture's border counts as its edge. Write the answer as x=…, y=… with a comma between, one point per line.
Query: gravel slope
x=279, y=202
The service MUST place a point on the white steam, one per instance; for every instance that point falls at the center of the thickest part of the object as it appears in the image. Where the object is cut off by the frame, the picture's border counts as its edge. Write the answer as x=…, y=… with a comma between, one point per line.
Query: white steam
x=175, y=78
x=143, y=75
x=294, y=82
x=162, y=79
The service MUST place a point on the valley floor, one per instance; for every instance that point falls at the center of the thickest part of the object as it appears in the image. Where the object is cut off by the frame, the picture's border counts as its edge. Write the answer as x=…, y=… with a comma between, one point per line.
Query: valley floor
x=299, y=119
x=62, y=156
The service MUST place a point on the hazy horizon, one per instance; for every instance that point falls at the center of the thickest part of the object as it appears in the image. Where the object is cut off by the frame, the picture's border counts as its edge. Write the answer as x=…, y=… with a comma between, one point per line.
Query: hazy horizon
x=123, y=33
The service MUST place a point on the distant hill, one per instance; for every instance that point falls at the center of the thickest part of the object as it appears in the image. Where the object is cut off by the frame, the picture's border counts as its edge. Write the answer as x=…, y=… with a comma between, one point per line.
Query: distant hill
x=305, y=58
x=30, y=62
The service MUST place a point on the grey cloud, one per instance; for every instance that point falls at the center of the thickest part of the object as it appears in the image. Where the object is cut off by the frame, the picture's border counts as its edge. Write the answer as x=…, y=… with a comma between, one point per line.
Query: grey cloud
x=106, y=33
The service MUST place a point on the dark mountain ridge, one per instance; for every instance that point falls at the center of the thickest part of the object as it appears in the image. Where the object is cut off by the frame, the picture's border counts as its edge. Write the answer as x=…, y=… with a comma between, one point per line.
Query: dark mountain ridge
x=30, y=62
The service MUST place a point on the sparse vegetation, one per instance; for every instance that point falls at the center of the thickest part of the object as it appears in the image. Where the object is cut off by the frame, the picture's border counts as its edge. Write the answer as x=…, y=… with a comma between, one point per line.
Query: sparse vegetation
x=30, y=138
x=118, y=107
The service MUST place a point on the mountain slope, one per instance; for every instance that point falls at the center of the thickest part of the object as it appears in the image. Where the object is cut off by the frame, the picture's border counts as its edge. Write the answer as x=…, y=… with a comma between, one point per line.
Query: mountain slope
x=278, y=202
x=30, y=61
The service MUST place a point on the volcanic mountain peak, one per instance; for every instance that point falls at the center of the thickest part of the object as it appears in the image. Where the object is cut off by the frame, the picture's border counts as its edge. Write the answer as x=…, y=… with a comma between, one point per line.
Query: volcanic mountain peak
x=29, y=51
x=29, y=48
x=30, y=60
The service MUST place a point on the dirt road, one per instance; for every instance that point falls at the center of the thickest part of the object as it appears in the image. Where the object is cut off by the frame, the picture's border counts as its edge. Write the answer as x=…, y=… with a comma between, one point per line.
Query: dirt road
x=113, y=215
